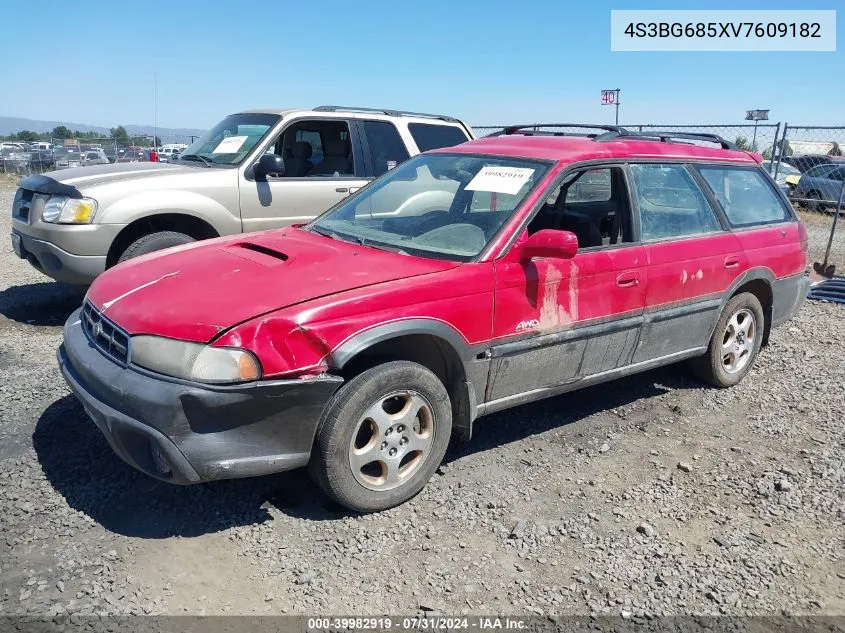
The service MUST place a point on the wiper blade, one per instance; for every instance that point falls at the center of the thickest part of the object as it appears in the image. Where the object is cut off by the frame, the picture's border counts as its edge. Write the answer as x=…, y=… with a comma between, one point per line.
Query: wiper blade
x=196, y=157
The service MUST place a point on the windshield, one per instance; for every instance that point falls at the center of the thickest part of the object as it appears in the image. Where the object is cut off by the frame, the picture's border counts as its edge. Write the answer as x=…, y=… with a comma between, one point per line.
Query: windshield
x=447, y=206
x=228, y=142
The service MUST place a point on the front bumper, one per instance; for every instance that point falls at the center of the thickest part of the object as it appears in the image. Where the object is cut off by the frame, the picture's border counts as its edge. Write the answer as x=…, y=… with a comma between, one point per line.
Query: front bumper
x=201, y=432
x=57, y=263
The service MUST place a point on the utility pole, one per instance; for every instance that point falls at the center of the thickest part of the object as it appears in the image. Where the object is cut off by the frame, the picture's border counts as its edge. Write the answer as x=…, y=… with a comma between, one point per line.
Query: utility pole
x=155, y=112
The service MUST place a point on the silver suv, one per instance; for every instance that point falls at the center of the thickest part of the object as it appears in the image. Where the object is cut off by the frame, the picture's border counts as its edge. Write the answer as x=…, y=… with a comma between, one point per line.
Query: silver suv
x=254, y=170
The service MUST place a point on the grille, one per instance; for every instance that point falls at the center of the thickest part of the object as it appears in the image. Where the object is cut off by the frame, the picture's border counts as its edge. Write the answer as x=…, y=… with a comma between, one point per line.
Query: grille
x=22, y=204
x=105, y=335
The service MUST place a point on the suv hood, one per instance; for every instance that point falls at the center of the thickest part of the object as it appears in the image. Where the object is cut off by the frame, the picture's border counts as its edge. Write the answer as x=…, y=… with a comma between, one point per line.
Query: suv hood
x=92, y=175
x=195, y=292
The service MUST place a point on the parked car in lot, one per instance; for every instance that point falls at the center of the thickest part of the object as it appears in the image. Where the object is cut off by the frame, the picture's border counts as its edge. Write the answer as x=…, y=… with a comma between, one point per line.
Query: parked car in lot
x=812, y=190
x=787, y=175
x=252, y=171
x=464, y=281
x=134, y=155
x=67, y=157
x=27, y=161
x=169, y=152
x=94, y=157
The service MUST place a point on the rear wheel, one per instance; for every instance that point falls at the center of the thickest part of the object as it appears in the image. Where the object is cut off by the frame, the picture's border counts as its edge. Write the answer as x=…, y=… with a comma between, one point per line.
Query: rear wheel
x=383, y=436
x=154, y=242
x=735, y=343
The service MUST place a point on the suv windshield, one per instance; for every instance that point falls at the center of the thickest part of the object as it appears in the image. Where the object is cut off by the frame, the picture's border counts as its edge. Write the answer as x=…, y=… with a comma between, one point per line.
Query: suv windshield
x=446, y=206
x=228, y=142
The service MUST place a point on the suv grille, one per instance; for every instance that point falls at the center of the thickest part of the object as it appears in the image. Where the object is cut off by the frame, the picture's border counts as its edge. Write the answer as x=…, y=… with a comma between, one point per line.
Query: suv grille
x=105, y=335
x=22, y=204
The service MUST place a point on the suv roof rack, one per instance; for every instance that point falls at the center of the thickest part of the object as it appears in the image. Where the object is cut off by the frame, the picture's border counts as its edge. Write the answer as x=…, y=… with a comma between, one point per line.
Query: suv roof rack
x=533, y=129
x=666, y=137
x=388, y=112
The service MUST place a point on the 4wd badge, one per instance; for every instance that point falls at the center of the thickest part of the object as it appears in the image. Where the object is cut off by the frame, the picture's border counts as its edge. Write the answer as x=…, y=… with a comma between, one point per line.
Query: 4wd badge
x=527, y=325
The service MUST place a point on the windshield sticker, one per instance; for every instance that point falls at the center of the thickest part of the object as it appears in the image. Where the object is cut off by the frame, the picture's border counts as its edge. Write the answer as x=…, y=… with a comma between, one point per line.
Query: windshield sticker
x=500, y=179
x=230, y=145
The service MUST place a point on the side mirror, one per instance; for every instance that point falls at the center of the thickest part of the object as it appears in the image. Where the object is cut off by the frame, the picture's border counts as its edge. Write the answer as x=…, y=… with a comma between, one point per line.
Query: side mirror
x=549, y=243
x=269, y=164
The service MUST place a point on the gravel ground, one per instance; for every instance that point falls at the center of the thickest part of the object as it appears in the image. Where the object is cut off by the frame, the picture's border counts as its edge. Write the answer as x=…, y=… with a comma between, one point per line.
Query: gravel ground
x=650, y=495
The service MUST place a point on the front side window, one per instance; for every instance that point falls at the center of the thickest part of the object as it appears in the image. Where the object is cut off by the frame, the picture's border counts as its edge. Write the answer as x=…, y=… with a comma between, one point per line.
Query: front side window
x=591, y=203
x=671, y=203
x=386, y=146
x=432, y=136
x=228, y=142
x=745, y=196
x=316, y=149
x=435, y=205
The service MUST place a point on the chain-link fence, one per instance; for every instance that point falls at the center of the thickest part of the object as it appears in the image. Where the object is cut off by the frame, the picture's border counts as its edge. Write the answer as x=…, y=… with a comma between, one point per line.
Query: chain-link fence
x=811, y=163
x=34, y=157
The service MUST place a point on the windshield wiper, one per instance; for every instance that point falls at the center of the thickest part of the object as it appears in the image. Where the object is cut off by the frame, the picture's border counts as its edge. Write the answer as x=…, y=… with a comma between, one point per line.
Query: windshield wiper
x=196, y=157
x=326, y=233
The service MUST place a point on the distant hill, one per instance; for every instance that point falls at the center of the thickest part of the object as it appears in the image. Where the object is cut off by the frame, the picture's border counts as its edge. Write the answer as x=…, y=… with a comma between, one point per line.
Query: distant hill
x=11, y=125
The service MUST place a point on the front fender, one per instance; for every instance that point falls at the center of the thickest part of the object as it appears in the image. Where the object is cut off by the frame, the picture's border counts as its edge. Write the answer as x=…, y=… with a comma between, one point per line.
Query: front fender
x=142, y=204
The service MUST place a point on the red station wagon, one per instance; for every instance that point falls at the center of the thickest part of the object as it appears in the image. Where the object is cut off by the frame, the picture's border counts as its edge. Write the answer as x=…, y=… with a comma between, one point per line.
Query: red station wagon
x=462, y=282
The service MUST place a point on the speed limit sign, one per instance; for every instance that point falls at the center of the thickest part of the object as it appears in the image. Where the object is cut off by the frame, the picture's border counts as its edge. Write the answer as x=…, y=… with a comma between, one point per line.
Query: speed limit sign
x=608, y=97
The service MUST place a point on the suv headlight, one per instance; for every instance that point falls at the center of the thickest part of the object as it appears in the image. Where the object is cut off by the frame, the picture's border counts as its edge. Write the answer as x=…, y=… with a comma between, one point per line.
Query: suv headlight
x=194, y=361
x=64, y=210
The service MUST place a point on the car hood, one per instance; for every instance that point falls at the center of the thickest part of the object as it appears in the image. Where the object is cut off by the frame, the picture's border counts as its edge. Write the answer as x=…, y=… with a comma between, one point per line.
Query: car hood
x=93, y=175
x=195, y=292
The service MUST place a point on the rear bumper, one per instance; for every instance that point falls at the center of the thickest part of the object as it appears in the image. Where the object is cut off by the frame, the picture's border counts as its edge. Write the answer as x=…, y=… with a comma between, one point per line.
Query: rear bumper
x=788, y=295
x=197, y=432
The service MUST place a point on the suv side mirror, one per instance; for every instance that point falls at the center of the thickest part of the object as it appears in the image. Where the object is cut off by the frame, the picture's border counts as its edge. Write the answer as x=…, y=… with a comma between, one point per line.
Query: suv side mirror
x=549, y=243
x=269, y=164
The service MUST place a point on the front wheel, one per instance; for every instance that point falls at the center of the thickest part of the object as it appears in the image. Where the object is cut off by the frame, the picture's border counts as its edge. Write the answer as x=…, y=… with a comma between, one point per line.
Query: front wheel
x=735, y=343
x=383, y=435
x=154, y=242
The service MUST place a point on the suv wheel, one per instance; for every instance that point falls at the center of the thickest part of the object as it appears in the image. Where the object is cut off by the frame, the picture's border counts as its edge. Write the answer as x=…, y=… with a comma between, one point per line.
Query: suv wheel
x=735, y=343
x=383, y=435
x=154, y=242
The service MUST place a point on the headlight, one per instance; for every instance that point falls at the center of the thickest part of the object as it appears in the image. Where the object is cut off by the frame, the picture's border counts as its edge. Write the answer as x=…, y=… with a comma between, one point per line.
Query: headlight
x=194, y=361
x=64, y=210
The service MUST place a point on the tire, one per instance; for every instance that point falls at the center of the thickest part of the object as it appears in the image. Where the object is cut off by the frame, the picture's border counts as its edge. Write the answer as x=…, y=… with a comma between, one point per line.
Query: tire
x=815, y=206
x=741, y=325
x=364, y=420
x=154, y=242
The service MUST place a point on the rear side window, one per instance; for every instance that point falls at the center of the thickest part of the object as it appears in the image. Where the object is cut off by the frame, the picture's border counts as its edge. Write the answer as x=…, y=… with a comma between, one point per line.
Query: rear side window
x=745, y=195
x=671, y=203
x=431, y=136
x=386, y=147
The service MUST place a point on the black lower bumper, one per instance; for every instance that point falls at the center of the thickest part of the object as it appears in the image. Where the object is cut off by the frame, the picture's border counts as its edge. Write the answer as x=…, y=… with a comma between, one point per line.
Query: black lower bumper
x=185, y=432
x=788, y=294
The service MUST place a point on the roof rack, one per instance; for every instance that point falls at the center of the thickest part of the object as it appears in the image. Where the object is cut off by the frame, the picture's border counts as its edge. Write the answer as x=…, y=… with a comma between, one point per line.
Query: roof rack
x=388, y=112
x=533, y=129
x=666, y=137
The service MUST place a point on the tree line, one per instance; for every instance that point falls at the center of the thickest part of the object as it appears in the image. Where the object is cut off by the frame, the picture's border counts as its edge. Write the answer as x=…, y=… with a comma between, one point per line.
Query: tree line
x=118, y=133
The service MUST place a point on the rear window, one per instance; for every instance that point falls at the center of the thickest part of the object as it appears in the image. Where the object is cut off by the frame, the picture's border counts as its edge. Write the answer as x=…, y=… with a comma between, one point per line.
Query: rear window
x=432, y=136
x=747, y=198
x=386, y=147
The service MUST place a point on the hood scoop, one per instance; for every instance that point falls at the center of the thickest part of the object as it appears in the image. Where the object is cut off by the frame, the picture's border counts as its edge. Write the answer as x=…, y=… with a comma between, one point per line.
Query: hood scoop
x=258, y=253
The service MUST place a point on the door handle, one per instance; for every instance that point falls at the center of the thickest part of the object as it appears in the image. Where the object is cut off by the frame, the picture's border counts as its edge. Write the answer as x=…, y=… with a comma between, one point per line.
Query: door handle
x=627, y=280
x=341, y=189
x=731, y=261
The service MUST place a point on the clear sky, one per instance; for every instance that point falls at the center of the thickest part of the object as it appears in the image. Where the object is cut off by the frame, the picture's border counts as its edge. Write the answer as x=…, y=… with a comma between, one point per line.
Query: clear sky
x=491, y=62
